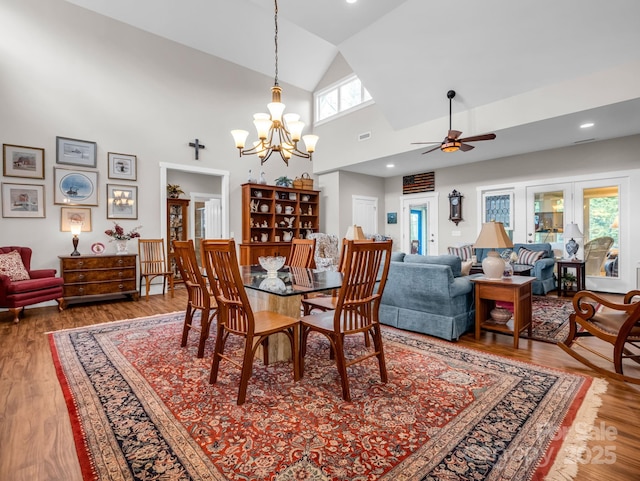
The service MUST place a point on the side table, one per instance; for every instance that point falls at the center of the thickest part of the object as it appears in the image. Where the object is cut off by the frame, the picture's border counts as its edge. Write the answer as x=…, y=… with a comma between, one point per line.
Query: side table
x=517, y=290
x=563, y=265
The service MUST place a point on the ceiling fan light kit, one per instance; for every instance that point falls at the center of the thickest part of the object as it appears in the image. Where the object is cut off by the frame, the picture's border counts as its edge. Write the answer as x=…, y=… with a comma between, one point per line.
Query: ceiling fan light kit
x=451, y=142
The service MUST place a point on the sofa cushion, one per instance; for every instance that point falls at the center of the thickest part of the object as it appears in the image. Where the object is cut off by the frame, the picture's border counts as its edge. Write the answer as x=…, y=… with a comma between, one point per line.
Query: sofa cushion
x=397, y=256
x=453, y=262
x=463, y=252
x=11, y=266
x=465, y=268
x=525, y=256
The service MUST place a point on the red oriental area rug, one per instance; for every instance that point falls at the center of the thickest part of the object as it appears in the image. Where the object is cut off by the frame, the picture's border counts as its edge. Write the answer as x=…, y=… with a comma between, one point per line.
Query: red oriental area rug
x=142, y=408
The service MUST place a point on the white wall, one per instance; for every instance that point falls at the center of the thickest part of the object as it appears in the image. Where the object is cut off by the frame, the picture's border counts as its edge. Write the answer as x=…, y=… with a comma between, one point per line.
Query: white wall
x=70, y=72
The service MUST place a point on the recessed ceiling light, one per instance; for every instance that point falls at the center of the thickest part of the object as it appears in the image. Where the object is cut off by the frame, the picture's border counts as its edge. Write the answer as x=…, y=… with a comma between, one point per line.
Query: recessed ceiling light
x=352, y=1
x=586, y=125
x=390, y=166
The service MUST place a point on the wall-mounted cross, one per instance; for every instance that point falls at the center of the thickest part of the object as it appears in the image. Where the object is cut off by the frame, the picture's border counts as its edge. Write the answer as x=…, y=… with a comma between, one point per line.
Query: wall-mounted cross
x=197, y=146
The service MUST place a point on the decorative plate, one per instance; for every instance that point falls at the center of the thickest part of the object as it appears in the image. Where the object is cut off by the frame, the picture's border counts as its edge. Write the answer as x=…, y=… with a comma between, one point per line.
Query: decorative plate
x=97, y=248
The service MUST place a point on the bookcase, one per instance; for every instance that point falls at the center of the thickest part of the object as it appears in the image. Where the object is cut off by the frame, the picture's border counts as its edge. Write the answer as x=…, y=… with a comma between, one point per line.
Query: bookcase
x=272, y=216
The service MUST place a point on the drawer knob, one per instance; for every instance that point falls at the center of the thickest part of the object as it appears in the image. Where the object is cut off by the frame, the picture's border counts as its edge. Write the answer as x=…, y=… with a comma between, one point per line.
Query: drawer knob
x=80, y=263
x=81, y=290
x=121, y=274
x=120, y=262
x=81, y=276
x=121, y=286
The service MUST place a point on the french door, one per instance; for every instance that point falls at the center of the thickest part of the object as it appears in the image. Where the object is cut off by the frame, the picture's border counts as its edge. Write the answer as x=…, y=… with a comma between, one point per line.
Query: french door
x=419, y=222
x=596, y=207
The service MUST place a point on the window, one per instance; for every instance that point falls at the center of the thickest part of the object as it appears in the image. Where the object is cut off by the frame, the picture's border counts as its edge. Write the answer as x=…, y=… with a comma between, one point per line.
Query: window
x=344, y=96
x=498, y=207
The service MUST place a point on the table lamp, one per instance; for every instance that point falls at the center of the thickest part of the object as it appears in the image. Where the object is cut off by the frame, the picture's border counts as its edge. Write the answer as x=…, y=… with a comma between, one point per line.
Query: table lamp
x=572, y=230
x=493, y=236
x=76, y=228
x=354, y=232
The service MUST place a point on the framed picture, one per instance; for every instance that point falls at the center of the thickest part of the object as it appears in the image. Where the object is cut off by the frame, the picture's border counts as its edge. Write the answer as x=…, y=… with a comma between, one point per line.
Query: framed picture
x=69, y=215
x=21, y=161
x=122, y=166
x=75, y=152
x=22, y=200
x=392, y=217
x=122, y=201
x=75, y=187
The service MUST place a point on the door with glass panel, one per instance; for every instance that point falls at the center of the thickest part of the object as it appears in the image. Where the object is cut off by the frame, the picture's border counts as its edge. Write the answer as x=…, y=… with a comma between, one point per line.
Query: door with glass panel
x=419, y=224
x=547, y=215
x=598, y=214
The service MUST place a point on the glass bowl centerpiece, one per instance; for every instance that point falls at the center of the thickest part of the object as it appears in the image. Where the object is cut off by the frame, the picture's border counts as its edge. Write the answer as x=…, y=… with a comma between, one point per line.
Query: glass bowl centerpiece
x=271, y=264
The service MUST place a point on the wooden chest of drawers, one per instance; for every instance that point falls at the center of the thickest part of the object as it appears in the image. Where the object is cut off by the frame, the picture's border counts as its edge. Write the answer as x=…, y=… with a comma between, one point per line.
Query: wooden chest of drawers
x=91, y=278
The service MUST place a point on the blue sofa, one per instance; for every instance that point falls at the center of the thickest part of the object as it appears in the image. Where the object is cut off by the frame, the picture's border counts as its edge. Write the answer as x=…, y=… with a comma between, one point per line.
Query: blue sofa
x=542, y=270
x=427, y=294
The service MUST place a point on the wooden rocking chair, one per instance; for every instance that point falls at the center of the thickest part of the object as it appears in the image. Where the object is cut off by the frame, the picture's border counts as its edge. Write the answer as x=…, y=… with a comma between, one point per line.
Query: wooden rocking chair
x=617, y=324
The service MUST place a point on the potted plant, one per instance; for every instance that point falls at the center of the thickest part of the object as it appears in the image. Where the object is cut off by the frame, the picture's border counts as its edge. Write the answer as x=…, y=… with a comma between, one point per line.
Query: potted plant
x=568, y=279
x=174, y=191
x=284, y=181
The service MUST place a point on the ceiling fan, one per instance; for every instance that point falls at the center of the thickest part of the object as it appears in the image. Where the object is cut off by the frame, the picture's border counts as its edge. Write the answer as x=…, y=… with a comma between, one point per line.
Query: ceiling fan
x=451, y=142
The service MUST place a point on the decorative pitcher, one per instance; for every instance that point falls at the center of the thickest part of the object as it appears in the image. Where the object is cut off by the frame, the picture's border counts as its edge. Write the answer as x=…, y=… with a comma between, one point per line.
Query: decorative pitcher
x=264, y=237
x=278, y=208
x=264, y=207
x=287, y=236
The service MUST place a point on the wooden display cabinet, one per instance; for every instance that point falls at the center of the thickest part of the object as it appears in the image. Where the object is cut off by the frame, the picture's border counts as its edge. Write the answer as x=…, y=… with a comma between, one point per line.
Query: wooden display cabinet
x=177, y=216
x=271, y=214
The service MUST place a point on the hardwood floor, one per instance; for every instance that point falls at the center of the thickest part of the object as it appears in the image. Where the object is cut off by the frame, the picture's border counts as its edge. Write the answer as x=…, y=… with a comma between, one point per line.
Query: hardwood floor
x=36, y=443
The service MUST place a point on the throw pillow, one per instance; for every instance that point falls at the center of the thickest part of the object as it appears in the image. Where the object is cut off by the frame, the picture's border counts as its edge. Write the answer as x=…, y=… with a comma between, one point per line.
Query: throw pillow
x=525, y=256
x=11, y=265
x=465, y=268
x=464, y=252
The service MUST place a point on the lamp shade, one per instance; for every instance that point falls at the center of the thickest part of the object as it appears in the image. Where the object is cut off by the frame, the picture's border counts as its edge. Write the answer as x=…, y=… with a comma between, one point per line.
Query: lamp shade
x=493, y=236
x=354, y=232
x=572, y=230
x=76, y=228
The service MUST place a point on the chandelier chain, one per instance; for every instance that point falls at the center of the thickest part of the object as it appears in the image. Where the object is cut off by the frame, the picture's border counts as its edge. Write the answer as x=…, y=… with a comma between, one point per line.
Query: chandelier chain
x=276, y=40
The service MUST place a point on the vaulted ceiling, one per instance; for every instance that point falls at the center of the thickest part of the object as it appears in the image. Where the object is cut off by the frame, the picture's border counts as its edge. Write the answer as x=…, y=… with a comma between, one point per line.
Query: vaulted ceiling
x=409, y=53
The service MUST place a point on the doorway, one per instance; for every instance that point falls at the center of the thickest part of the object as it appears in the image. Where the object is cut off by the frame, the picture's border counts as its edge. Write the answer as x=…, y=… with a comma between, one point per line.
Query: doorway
x=223, y=175
x=365, y=213
x=419, y=221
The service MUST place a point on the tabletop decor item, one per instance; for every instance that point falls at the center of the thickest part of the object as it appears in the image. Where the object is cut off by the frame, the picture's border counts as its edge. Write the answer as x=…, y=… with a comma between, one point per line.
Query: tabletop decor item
x=120, y=237
x=174, y=191
x=271, y=264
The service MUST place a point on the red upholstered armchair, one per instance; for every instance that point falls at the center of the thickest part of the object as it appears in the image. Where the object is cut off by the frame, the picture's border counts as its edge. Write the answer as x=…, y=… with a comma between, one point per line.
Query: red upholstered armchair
x=42, y=285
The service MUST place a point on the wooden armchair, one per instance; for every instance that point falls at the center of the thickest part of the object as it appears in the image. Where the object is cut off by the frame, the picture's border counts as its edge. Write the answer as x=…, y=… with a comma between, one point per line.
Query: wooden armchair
x=614, y=323
x=153, y=263
x=20, y=286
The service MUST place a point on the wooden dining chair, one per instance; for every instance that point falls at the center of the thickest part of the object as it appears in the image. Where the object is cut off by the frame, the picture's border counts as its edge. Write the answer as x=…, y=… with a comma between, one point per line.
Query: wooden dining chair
x=153, y=263
x=235, y=316
x=356, y=308
x=617, y=324
x=200, y=294
x=327, y=302
x=302, y=251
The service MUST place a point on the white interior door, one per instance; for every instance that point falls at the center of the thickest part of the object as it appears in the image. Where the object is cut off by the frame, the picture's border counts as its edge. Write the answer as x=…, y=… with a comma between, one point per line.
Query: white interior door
x=419, y=224
x=365, y=213
x=213, y=219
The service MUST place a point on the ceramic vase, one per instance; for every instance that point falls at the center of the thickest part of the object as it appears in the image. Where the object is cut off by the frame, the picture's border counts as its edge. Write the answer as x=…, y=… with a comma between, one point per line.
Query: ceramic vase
x=121, y=247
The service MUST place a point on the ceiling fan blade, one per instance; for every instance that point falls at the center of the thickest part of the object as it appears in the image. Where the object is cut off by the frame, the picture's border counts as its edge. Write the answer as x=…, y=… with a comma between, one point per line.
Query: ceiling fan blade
x=479, y=137
x=422, y=143
x=464, y=147
x=454, y=134
x=431, y=150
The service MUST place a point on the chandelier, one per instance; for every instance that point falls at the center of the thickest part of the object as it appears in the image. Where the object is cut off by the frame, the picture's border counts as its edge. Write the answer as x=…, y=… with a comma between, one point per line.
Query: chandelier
x=276, y=132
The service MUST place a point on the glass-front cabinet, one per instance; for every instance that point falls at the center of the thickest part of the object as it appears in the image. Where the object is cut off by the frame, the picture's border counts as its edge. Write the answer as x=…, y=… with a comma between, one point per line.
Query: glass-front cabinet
x=177, y=215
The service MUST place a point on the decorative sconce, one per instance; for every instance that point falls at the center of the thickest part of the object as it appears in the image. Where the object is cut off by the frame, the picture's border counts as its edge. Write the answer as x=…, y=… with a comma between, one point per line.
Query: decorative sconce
x=76, y=228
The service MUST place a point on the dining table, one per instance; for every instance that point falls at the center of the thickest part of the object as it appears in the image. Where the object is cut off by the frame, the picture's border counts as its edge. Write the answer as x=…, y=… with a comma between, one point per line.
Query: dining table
x=281, y=292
